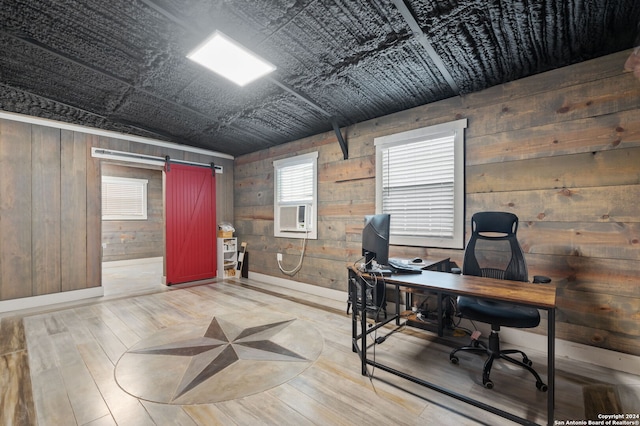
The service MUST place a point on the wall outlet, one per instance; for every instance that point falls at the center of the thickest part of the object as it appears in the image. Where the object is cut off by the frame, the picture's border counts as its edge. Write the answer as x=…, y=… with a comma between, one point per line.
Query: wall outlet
x=279, y=257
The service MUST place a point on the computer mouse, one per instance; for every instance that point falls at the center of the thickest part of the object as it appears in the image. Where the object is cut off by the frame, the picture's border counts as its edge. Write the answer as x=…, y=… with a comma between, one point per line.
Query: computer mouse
x=416, y=260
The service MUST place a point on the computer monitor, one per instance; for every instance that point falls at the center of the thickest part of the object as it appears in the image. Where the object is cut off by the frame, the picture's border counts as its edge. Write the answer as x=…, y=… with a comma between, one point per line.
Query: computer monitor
x=375, y=239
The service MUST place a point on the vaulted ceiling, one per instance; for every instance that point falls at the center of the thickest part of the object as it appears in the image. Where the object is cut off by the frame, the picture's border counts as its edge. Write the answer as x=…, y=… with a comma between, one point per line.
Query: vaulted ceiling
x=120, y=64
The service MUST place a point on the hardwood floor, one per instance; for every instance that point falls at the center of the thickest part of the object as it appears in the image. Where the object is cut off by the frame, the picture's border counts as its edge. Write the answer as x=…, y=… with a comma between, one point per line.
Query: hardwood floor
x=62, y=367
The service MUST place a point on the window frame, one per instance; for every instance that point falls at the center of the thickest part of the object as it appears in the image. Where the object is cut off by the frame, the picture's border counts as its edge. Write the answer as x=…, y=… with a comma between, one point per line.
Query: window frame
x=312, y=216
x=139, y=183
x=413, y=136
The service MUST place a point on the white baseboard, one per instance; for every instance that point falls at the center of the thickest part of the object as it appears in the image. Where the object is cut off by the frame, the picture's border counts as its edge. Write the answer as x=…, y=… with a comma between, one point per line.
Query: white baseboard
x=522, y=339
x=50, y=299
x=129, y=262
x=575, y=351
x=305, y=288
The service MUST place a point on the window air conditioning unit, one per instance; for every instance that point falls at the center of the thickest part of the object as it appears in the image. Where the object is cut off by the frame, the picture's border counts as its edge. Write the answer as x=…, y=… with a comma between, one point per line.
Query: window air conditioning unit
x=295, y=218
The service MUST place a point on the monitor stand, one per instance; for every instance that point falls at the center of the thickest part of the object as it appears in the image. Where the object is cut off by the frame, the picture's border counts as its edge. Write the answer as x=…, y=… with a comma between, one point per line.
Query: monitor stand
x=369, y=258
x=378, y=271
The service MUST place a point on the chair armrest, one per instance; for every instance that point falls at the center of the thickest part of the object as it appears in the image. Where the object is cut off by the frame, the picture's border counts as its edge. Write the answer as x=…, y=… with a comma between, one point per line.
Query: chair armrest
x=541, y=279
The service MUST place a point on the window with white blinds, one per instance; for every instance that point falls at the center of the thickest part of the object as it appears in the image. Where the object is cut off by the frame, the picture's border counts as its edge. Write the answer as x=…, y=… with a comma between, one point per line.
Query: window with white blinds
x=295, y=183
x=124, y=198
x=295, y=196
x=420, y=183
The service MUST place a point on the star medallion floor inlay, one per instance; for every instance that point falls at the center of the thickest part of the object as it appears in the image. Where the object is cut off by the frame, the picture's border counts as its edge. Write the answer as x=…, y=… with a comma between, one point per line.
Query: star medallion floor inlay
x=224, y=358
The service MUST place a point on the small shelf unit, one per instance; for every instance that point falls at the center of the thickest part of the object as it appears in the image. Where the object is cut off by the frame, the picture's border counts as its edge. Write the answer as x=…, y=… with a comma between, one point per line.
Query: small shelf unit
x=227, y=257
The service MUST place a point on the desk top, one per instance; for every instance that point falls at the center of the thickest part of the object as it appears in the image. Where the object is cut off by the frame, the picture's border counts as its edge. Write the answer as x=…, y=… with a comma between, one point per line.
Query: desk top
x=521, y=293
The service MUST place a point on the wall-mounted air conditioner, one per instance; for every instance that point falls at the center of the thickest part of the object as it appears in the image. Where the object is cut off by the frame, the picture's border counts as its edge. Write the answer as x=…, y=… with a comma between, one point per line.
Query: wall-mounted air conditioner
x=295, y=218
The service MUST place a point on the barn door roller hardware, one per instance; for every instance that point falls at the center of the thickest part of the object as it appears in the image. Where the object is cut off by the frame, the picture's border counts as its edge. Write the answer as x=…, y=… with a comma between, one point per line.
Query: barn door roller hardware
x=214, y=169
x=148, y=159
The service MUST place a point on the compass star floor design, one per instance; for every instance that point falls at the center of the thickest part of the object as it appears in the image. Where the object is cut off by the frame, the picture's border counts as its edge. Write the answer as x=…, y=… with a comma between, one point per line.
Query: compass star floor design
x=224, y=358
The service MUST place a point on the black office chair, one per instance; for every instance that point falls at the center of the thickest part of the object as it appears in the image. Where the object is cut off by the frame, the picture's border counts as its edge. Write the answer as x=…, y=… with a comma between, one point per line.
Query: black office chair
x=493, y=244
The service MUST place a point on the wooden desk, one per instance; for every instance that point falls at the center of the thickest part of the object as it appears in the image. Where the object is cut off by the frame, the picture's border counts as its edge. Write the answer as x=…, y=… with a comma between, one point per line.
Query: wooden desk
x=539, y=296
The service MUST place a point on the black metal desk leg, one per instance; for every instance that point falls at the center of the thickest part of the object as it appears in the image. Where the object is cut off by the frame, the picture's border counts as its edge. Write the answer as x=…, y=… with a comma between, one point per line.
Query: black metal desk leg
x=353, y=299
x=397, y=304
x=440, y=315
x=363, y=332
x=551, y=360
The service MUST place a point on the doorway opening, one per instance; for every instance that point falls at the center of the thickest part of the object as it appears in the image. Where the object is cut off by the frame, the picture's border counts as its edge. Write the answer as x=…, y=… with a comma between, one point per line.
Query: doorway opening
x=133, y=248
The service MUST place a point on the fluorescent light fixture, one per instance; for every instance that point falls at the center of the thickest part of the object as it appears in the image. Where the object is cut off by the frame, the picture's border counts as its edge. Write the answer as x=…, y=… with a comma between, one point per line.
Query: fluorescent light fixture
x=226, y=57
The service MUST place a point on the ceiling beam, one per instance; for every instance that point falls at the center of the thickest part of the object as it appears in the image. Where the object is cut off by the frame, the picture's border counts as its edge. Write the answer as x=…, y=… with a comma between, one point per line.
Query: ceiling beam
x=343, y=143
x=424, y=41
x=299, y=95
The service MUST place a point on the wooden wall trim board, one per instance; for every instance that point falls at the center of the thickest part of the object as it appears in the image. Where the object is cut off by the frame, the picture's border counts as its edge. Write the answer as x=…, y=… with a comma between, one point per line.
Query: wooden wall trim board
x=15, y=199
x=46, y=200
x=560, y=149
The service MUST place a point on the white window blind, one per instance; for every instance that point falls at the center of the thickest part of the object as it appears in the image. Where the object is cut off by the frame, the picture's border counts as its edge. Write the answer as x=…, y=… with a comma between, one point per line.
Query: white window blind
x=295, y=184
x=124, y=198
x=417, y=188
x=420, y=183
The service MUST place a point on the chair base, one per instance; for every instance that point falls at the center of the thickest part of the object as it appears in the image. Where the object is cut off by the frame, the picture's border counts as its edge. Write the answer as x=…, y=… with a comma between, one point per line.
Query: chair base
x=494, y=352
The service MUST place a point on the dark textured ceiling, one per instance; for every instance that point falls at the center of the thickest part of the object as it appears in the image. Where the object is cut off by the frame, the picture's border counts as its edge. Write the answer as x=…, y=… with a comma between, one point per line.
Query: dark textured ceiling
x=120, y=64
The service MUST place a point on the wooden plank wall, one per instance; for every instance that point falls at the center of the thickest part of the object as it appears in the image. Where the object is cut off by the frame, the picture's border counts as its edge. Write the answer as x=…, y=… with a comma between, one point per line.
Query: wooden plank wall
x=135, y=239
x=560, y=149
x=49, y=195
x=50, y=206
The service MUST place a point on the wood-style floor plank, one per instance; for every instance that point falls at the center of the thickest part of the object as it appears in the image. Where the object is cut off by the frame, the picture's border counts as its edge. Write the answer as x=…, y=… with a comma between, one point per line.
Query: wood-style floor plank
x=110, y=343
x=273, y=411
x=12, y=336
x=209, y=414
x=168, y=414
x=124, y=408
x=51, y=401
x=103, y=421
x=119, y=328
x=86, y=400
x=310, y=407
x=16, y=396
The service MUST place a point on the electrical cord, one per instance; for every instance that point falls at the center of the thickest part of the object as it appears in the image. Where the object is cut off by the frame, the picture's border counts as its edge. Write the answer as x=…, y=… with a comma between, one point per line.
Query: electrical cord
x=299, y=265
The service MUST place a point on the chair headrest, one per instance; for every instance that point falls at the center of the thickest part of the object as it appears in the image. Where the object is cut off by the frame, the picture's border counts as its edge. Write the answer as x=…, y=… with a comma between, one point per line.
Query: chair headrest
x=500, y=222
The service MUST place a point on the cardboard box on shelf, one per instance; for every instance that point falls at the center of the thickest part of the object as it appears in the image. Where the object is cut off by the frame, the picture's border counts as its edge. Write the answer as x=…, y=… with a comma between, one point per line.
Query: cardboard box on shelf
x=225, y=234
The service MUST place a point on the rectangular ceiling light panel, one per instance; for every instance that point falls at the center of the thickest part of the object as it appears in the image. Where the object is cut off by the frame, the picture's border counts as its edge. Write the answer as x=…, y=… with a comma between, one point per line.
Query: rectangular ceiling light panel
x=226, y=57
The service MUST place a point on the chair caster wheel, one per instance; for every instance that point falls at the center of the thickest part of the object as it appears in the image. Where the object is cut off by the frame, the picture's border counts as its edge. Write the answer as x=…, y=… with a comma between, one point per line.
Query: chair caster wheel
x=454, y=359
x=487, y=384
x=542, y=387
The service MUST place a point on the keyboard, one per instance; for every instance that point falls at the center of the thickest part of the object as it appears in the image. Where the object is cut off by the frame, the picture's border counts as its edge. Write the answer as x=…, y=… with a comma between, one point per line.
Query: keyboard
x=402, y=268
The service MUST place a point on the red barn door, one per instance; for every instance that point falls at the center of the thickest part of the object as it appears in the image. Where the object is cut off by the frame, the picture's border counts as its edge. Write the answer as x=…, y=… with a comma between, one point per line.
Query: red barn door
x=190, y=206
